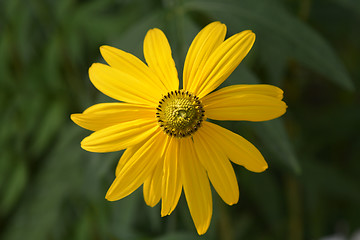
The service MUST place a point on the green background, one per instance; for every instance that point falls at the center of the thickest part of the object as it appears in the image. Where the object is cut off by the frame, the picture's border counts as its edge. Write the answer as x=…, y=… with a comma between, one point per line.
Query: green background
x=52, y=189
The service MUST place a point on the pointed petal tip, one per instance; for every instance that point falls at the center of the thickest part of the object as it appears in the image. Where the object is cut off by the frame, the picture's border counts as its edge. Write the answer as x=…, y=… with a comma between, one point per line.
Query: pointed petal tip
x=283, y=109
x=153, y=30
x=104, y=48
x=84, y=144
x=73, y=117
x=109, y=198
x=202, y=229
x=151, y=204
x=266, y=166
x=233, y=203
x=218, y=23
x=260, y=169
x=164, y=214
x=167, y=212
x=110, y=195
x=251, y=34
x=247, y=34
x=76, y=118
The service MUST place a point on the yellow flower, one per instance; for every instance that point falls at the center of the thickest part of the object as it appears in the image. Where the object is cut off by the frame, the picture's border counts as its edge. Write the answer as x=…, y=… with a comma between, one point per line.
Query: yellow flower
x=169, y=144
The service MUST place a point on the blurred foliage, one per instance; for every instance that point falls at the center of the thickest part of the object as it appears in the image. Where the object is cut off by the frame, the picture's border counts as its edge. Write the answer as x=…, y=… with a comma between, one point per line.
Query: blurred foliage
x=51, y=189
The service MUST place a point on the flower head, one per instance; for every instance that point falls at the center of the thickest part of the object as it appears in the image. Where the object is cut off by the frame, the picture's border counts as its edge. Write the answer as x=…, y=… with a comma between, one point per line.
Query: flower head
x=169, y=145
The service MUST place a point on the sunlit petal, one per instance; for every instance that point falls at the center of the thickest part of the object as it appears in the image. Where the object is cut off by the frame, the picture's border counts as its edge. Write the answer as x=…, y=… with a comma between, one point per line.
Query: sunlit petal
x=131, y=65
x=120, y=136
x=122, y=86
x=223, y=61
x=238, y=149
x=138, y=168
x=217, y=165
x=245, y=103
x=196, y=186
x=104, y=115
x=158, y=56
x=207, y=40
x=171, y=182
x=152, y=185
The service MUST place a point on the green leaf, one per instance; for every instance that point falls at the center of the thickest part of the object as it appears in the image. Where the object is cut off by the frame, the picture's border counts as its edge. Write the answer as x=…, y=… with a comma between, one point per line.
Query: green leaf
x=56, y=181
x=5, y=167
x=53, y=118
x=124, y=214
x=352, y=5
x=83, y=228
x=267, y=199
x=327, y=179
x=15, y=184
x=274, y=136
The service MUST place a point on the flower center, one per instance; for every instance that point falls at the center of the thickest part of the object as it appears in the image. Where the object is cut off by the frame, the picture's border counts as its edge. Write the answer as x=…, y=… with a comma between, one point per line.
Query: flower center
x=180, y=113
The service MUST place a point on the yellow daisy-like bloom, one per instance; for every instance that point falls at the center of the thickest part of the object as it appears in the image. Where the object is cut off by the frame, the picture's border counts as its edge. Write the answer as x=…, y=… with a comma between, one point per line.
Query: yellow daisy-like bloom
x=169, y=145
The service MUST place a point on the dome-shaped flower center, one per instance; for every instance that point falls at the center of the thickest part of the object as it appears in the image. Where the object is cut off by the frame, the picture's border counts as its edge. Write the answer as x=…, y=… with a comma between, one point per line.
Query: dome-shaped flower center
x=180, y=113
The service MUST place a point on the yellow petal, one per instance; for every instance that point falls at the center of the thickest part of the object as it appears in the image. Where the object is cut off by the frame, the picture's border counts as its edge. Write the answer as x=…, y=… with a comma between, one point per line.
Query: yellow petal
x=261, y=89
x=158, y=56
x=128, y=153
x=217, y=165
x=235, y=103
x=120, y=136
x=123, y=87
x=138, y=168
x=236, y=148
x=131, y=65
x=171, y=182
x=196, y=186
x=223, y=61
x=104, y=115
x=205, y=42
x=152, y=186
